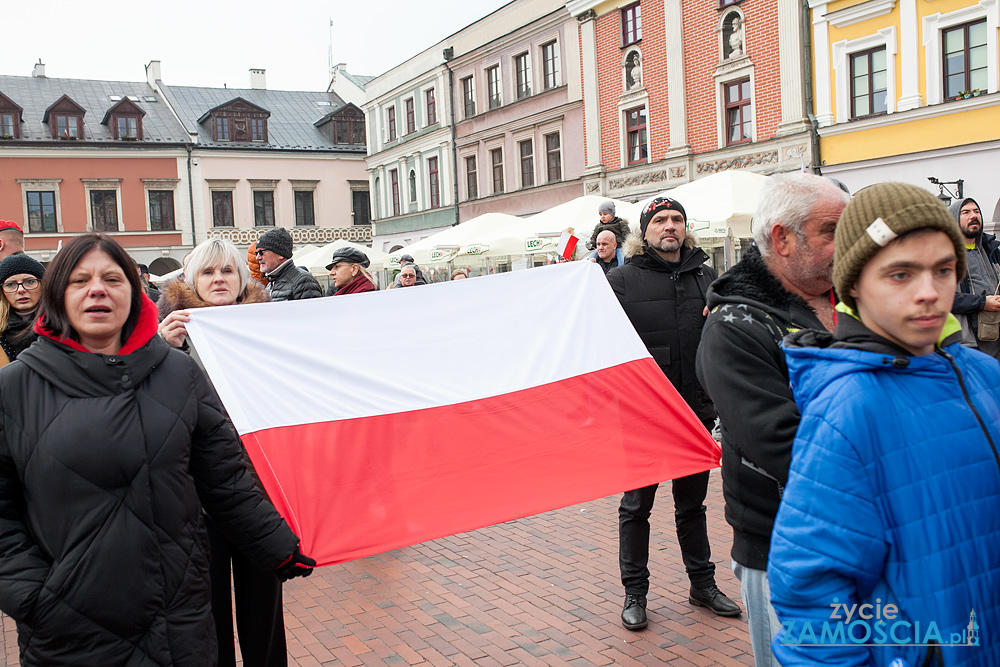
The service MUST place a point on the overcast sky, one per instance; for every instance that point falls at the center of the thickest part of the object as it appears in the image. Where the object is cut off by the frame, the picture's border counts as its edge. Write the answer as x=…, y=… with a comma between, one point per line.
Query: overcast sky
x=210, y=43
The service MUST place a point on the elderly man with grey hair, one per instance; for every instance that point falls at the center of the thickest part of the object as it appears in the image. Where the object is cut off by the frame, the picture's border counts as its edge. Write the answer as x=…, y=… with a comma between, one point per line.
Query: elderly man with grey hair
x=783, y=284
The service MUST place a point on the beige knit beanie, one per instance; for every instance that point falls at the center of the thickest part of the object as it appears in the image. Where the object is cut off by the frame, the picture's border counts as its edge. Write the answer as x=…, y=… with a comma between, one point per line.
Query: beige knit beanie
x=875, y=216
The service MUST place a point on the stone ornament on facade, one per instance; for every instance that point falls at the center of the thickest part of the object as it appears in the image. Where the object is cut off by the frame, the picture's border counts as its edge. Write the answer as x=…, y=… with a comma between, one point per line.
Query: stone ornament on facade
x=678, y=172
x=633, y=70
x=733, y=37
x=738, y=162
x=640, y=179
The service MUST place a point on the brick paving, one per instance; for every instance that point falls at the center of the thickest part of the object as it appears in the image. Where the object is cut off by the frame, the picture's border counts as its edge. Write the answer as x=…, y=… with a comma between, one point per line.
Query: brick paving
x=543, y=590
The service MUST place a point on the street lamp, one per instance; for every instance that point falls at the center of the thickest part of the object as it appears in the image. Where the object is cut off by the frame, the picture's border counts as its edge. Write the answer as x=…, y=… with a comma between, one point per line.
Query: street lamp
x=945, y=193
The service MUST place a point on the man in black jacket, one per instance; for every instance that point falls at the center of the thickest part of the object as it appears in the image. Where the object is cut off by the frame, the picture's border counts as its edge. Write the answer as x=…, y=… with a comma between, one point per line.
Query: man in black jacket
x=785, y=286
x=977, y=289
x=662, y=291
x=286, y=282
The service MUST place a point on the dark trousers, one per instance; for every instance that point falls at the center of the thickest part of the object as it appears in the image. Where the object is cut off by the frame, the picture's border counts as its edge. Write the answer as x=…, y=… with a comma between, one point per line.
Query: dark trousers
x=259, y=612
x=692, y=533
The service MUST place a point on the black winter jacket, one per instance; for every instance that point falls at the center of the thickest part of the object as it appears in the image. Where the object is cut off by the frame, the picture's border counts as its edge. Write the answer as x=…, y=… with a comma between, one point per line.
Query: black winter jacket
x=742, y=366
x=290, y=283
x=665, y=308
x=966, y=302
x=105, y=465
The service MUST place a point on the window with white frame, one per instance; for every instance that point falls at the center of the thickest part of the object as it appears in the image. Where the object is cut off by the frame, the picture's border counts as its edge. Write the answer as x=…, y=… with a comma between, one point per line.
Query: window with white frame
x=637, y=140
x=550, y=65
x=468, y=97
x=40, y=202
x=433, y=183
x=866, y=64
x=527, y=155
x=553, y=158
x=160, y=203
x=522, y=75
x=738, y=112
x=868, y=82
x=496, y=161
x=104, y=212
x=959, y=54
x=471, y=178
x=493, y=86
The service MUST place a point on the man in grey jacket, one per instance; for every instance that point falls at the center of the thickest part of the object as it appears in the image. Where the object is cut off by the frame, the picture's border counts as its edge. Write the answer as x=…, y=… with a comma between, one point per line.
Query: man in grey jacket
x=977, y=289
x=286, y=282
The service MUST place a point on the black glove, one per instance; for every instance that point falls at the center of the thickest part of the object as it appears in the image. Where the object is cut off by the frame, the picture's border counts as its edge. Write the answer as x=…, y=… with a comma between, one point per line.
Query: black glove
x=297, y=565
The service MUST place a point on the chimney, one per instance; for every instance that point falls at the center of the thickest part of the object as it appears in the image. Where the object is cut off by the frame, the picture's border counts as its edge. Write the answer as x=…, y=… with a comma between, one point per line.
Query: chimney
x=153, y=73
x=39, y=71
x=257, y=79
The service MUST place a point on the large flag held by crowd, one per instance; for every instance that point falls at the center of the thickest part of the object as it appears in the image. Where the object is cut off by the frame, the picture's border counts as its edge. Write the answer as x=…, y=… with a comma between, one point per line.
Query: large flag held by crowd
x=381, y=420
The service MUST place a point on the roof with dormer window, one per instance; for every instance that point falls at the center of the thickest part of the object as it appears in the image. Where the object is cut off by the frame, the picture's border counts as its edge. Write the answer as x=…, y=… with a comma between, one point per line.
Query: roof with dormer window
x=64, y=105
x=125, y=107
x=235, y=105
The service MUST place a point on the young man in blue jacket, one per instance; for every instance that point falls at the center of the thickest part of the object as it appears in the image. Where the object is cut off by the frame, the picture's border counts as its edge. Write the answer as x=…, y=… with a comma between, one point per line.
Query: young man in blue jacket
x=887, y=542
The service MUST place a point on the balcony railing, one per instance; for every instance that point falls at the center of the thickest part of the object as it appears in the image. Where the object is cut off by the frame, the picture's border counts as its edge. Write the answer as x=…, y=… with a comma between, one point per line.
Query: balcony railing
x=300, y=235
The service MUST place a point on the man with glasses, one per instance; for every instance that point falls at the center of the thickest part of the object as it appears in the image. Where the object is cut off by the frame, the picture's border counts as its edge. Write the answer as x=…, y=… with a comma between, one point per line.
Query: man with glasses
x=286, y=282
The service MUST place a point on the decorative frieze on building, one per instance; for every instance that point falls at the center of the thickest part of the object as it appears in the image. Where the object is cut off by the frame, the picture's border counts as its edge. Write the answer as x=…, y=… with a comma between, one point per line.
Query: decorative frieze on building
x=737, y=162
x=677, y=172
x=300, y=235
x=638, y=179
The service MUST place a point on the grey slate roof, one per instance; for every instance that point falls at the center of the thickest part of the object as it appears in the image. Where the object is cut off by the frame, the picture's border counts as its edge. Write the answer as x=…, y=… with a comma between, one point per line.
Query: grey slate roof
x=290, y=125
x=358, y=80
x=35, y=95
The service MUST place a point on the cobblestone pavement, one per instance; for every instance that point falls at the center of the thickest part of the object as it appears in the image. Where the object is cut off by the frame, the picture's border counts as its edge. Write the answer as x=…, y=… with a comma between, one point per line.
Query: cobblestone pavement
x=537, y=591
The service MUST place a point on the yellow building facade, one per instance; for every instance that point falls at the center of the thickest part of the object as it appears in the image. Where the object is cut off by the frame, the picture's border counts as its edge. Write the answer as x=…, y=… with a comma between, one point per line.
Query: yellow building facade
x=908, y=90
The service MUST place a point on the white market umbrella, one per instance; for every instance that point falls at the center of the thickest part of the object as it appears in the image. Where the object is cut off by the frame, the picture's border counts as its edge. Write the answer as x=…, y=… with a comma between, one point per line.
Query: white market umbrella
x=445, y=245
x=721, y=203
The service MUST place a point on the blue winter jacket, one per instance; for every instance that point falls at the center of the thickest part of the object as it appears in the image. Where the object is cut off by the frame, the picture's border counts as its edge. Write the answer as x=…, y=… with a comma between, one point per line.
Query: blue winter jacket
x=893, y=498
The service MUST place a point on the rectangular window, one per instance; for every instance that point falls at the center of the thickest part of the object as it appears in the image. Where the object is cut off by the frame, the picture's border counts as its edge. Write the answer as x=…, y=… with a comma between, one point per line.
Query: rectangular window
x=256, y=129
x=222, y=209
x=432, y=181
x=496, y=157
x=638, y=143
x=304, y=208
x=392, y=123
x=222, y=129
x=471, y=177
x=738, y=112
x=128, y=127
x=263, y=208
x=553, y=157
x=161, y=210
x=104, y=210
x=394, y=179
x=361, y=207
x=550, y=66
x=411, y=117
x=522, y=70
x=431, y=104
x=493, y=85
x=42, y=212
x=7, y=124
x=631, y=24
x=868, y=83
x=527, y=163
x=67, y=126
x=468, y=97
x=965, y=59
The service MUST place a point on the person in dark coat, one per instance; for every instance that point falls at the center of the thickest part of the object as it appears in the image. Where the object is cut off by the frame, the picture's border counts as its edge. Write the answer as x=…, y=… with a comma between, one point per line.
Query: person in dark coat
x=978, y=291
x=609, y=222
x=111, y=443
x=152, y=291
x=783, y=284
x=21, y=278
x=662, y=289
x=286, y=282
x=349, y=269
x=407, y=260
x=215, y=274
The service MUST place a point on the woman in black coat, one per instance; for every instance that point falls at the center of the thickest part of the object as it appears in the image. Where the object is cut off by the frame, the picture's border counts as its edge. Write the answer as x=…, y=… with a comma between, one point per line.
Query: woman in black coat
x=21, y=278
x=110, y=445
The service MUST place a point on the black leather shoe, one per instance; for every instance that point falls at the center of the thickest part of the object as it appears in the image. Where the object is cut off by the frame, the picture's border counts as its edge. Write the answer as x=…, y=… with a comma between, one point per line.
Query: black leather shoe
x=634, y=613
x=712, y=598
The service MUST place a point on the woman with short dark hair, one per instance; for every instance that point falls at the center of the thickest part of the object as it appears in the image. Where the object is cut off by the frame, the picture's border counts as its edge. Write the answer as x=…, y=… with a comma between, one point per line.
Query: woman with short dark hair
x=110, y=445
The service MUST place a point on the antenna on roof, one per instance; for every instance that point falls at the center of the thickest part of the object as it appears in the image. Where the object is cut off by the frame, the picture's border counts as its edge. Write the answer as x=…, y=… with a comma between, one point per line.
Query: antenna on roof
x=329, y=55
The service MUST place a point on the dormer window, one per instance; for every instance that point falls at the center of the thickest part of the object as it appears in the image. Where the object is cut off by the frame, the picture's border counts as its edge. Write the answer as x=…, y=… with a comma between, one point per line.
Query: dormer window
x=345, y=126
x=238, y=121
x=10, y=118
x=65, y=119
x=124, y=119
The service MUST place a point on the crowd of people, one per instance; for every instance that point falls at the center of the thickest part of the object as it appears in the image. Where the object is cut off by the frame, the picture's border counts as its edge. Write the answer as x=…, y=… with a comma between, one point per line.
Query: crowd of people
x=850, y=358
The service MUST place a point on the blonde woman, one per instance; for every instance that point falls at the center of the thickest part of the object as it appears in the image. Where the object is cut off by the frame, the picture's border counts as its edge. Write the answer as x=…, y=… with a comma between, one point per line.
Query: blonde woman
x=21, y=279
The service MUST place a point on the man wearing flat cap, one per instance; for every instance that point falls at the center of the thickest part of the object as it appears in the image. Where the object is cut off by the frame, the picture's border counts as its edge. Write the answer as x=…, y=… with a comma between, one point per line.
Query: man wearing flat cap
x=662, y=290
x=286, y=282
x=11, y=238
x=348, y=269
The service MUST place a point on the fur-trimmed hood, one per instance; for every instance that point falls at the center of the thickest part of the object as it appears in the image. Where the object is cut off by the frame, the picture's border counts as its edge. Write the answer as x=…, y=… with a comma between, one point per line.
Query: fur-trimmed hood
x=751, y=282
x=178, y=295
x=635, y=245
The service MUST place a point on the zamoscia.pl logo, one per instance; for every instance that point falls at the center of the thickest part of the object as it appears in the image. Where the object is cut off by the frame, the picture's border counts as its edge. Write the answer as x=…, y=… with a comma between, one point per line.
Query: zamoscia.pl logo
x=875, y=625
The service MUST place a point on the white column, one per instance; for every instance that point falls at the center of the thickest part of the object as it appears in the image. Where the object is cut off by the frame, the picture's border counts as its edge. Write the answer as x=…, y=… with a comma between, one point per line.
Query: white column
x=821, y=63
x=673, y=24
x=791, y=67
x=591, y=105
x=909, y=56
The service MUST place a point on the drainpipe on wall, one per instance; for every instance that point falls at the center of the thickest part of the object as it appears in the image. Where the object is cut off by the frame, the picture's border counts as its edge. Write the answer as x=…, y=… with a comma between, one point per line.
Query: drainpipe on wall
x=807, y=52
x=194, y=240
x=448, y=54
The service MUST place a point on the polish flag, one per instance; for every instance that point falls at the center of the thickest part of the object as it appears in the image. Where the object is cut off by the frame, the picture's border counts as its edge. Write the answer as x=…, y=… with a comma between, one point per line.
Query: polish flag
x=567, y=244
x=380, y=420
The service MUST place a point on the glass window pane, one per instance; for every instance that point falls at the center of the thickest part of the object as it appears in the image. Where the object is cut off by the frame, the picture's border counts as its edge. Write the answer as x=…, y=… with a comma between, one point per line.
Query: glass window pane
x=878, y=60
x=879, y=103
x=861, y=106
x=860, y=65
x=954, y=63
x=861, y=85
x=745, y=90
x=954, y=40
x=977, y=34
x=977, y=79
x=977, y=57
x=954, y=84
x=878, y=81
